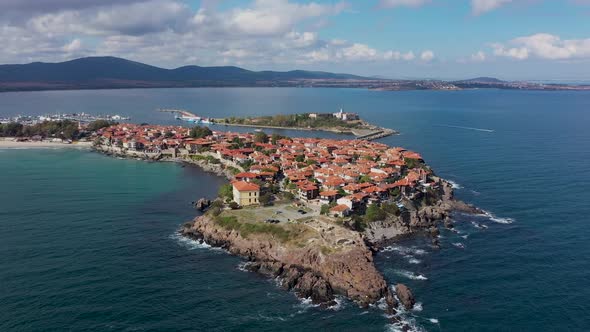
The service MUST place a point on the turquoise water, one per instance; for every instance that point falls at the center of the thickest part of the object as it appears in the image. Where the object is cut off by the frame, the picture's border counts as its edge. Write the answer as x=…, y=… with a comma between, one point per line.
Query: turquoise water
x=87, y=242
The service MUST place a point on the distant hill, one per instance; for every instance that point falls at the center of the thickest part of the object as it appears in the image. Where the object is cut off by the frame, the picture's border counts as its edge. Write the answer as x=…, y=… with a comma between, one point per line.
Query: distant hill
x=482, y=80
x=112, y=72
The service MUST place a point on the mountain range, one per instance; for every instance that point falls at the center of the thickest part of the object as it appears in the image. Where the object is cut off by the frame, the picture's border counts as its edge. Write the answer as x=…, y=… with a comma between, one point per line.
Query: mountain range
x=117, y=73
x=112, y=72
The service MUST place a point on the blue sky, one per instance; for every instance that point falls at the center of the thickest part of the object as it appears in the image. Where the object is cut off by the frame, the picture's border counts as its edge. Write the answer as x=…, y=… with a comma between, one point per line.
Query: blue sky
x=448, y=39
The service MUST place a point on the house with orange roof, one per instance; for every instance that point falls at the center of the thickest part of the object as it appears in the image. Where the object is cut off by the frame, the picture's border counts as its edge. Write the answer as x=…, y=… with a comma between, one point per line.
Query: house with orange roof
x=328, y=196
x=340, y=210
x=245, y=193
x=308, y=191
x=246, y=176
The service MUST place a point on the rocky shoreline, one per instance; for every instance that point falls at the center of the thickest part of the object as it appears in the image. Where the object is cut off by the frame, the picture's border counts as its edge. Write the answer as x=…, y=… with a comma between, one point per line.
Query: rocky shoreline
x=310, y=272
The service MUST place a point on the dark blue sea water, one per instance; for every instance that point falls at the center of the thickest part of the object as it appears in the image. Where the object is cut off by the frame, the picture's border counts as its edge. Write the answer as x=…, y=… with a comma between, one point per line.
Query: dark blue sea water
x=87, y=241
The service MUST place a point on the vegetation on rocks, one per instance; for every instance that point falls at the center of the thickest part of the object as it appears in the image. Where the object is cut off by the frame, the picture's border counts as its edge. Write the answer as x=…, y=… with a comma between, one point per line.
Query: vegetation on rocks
x=245, y=229
x=295, y=121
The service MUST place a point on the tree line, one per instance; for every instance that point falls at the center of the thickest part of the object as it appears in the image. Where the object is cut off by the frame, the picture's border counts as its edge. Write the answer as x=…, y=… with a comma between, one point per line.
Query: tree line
x=64, y=129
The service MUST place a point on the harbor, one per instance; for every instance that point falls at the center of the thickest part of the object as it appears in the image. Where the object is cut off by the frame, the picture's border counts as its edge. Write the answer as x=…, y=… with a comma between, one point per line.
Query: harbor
x=78, y=117
x=368, y=132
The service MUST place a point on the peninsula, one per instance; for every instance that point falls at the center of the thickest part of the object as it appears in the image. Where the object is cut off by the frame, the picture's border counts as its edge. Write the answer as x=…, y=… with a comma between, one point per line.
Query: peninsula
x=310, y=212
x=339, y=122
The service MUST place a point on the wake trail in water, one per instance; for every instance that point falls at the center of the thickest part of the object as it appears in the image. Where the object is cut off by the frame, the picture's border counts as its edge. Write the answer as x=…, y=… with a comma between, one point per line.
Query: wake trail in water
x=467, y=128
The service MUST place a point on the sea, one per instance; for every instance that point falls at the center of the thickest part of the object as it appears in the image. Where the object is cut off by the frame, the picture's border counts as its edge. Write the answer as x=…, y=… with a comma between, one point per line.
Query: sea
x=88, y=242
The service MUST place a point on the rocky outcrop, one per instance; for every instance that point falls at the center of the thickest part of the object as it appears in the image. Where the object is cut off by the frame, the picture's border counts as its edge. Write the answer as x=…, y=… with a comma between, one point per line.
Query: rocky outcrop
x=420, y=217
x=306, y=270
x=202, y=204
x=405, y=296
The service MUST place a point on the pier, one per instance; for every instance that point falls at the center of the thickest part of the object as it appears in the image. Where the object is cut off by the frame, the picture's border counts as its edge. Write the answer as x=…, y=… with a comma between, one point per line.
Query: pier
x=177, y=111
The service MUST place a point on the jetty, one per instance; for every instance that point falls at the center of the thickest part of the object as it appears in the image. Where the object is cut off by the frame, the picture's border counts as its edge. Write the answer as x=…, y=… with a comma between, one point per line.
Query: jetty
x=178, y=112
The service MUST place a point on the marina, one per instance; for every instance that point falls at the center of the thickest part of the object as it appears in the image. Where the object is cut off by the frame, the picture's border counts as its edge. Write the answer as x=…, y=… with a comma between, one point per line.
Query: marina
x=187, y=116
x=79, y=117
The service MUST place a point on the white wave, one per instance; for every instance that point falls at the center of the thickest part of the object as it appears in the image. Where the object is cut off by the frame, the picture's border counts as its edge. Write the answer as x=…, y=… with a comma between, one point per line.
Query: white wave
x=414, y=261
x=465, y=236
x=189, y=243
x=497, y=219
x=433, y=320
x=417, y=307
x=340, y=303
x=476, y=225
x=475, y=192
x=305, y=304
x=455, y=185
x=270, y=318
x=405, y=250
x=459, y=245
x=410, y=275
x=406, y=324
x=243, y=266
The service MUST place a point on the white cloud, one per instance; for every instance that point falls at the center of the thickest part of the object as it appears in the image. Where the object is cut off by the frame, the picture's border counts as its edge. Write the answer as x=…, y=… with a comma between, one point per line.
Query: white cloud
x=73, y=46
x=427, y=55
x=402, y=3
x=270, y=17
x=169, y=33
x=479, y=7
x=480, y=56
x=544, y=46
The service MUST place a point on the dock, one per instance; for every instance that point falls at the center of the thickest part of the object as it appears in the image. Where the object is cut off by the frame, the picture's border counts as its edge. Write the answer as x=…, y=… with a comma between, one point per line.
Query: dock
x=178, y=111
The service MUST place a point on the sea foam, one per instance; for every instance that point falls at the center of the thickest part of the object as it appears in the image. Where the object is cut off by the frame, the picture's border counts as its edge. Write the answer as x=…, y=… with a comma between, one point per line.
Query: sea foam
x=190, y=243
x=410, y=275
x=497, y=219
x=455, y=185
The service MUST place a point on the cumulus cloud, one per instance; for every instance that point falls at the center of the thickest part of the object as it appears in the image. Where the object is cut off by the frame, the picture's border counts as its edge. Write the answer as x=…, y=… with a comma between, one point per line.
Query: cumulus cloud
x=402, y=3
x=544, y=46
x=72, y=47
x=170, y=33
x=269, y=17
x=427, y=55
x=480, y=56
x=479, y=7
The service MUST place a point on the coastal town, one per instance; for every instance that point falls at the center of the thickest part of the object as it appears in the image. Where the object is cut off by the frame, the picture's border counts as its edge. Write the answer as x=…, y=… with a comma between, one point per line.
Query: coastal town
x=308, y=212
x=344, y=175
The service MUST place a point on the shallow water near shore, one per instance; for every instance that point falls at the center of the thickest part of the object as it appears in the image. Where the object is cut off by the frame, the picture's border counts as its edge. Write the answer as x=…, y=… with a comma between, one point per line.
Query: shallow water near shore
x=87, y=242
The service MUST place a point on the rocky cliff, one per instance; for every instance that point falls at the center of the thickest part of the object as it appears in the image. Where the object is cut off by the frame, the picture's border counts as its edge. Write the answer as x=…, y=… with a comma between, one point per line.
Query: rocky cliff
x=311, y=270
x=417, y=217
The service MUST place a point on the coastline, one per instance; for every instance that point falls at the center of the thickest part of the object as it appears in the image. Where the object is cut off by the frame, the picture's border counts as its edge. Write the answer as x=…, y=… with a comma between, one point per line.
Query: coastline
x=363, y=133
x=10, y=143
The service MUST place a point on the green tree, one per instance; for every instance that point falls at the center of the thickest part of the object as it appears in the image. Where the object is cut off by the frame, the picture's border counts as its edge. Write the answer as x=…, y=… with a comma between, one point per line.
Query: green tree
x=200, y=132
x=260, y=137
x=226, y=191
x=265, y=199
x=374, y=213
x=99, y=124
x=300, y=158
x=325, y=209
x=365, y=178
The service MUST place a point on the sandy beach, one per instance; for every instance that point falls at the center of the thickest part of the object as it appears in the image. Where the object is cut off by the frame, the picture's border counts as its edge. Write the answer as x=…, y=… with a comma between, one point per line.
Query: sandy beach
x=10, y=143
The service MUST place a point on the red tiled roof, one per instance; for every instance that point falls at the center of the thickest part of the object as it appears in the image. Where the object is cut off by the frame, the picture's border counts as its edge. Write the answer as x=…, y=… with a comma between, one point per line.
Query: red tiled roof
x=339, y=208
x=245, y=186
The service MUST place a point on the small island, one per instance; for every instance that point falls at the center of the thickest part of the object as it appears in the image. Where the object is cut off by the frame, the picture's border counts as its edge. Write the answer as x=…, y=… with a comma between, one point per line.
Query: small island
x=339, y=122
